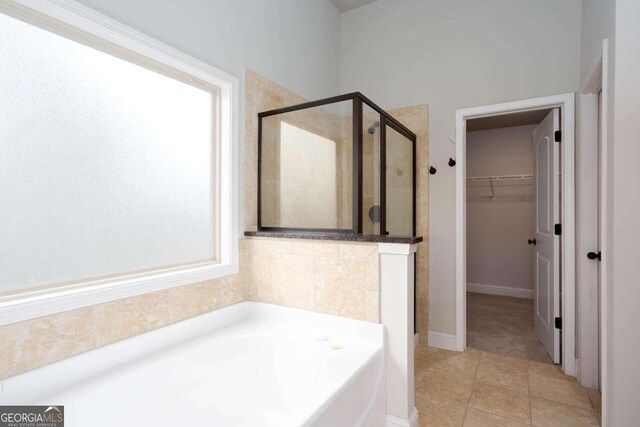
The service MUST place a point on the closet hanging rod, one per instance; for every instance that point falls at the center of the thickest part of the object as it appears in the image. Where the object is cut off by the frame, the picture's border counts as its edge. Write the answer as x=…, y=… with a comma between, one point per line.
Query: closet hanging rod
x=499, y=177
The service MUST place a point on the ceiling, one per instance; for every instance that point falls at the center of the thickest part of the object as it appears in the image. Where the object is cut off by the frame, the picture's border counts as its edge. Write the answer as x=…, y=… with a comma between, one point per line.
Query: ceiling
x=507, y=120
x=344, y=5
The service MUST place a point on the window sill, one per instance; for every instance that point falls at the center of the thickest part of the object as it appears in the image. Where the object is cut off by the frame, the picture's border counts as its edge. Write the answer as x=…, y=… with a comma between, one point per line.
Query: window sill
x=31, y=304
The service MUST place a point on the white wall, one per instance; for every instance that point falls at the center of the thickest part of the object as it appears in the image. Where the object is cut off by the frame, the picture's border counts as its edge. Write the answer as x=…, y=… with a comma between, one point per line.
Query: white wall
x=497, y=230
x=624, y=345
x=293, y=43
x=597, y=24
x=456, y=54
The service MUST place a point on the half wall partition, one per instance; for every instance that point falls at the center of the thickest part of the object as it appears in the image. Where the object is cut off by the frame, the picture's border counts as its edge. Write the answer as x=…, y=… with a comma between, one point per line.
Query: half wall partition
x=337, y=165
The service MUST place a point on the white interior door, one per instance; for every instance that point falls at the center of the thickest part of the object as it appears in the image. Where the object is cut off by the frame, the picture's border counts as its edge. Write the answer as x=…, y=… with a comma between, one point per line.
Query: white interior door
x=547, y=244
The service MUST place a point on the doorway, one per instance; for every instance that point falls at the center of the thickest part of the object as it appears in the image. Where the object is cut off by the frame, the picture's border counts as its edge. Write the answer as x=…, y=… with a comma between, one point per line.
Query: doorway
x=510, y=159
x=550, y=252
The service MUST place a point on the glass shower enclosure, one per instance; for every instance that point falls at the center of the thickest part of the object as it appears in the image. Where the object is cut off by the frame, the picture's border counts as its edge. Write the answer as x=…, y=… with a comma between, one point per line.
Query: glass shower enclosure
x=336, y=165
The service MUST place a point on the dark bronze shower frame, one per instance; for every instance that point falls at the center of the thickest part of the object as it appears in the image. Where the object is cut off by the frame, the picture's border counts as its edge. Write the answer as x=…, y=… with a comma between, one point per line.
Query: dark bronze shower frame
x=385, y=120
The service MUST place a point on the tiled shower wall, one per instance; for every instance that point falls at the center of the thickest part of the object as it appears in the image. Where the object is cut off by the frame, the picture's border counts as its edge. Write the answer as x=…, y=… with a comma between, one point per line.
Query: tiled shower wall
x=332, y=281
x=327, y=277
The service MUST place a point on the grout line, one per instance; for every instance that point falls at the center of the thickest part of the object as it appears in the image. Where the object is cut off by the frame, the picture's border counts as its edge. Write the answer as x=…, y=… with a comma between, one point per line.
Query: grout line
x=530, y=396
x=473, y=386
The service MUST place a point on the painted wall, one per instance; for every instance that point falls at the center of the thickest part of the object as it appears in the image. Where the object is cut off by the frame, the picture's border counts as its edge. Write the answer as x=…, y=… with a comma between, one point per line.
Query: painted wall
x=624, y=345
x=456, y=54
x=293, y=43
x=497, y=230
x=598, y=19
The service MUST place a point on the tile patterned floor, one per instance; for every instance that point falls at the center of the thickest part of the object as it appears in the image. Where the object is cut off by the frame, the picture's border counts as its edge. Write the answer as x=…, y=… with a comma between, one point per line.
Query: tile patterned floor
x=503, y=325
x=476, y=389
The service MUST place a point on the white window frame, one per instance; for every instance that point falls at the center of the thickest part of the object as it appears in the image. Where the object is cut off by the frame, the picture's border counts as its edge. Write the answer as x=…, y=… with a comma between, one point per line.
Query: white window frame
x=87, y=24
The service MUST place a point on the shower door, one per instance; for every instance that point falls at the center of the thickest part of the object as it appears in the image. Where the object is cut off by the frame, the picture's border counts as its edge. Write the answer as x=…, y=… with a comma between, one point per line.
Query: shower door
x=398, y=181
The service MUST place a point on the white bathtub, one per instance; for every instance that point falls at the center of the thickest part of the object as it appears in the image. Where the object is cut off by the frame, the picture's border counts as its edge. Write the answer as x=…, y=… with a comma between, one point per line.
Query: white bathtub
x=249, y=364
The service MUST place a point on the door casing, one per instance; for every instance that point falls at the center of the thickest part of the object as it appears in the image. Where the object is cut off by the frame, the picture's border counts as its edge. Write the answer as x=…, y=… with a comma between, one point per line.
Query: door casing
x=592, y=314
x=566, y=104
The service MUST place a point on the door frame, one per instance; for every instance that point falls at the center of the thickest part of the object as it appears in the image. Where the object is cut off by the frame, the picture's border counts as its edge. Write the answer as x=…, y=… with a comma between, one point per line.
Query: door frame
x=592, y=307
x=566, y=104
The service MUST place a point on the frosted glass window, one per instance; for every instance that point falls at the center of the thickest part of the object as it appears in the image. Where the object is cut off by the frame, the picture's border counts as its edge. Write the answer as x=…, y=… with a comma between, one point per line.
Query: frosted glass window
x=106, y=167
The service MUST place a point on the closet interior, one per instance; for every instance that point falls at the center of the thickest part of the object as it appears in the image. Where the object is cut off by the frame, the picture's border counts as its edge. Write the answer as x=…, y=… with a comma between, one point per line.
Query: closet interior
x=500, y=188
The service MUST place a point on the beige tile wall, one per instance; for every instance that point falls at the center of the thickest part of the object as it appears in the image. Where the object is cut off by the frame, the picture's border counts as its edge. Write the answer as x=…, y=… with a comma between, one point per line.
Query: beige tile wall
x=327, y=277
x=37, y=342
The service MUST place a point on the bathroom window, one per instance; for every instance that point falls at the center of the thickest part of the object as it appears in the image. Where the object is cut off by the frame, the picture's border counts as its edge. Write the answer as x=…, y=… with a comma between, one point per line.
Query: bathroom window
x=116, y=165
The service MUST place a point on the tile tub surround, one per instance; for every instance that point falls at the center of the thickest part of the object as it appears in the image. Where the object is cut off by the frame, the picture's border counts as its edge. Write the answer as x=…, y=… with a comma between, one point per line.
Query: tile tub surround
x=475, y=388
x=192, y=369
x=340, y=278
x=33, y=343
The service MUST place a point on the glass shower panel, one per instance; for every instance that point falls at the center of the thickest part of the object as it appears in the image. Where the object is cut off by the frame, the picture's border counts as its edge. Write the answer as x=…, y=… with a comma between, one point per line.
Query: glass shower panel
x=370, y=170
x=399, y=183
x=306, y=166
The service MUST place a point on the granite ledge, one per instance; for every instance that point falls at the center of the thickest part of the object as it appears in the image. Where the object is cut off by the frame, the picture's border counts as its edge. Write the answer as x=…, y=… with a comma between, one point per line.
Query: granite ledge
x=376, y=238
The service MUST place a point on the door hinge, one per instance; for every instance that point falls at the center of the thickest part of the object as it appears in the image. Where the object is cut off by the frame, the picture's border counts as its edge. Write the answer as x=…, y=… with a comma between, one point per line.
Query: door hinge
x=557, y=135
x=558, y=322
x=557, y=229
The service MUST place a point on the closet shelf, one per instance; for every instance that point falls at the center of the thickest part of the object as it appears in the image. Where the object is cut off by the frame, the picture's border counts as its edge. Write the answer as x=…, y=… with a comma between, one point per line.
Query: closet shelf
x=499, y=178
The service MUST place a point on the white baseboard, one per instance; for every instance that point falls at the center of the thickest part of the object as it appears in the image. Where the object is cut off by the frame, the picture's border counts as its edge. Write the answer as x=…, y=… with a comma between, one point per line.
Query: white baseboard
x=504, y=291
x=401, y=422
x=442, y=340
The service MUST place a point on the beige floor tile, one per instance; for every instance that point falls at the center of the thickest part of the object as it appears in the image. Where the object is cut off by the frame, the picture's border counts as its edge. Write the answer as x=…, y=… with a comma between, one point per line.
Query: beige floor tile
x=440, y=413
x=465, y=363
x=492, y=344
x=501, y=401
x=476, y=418
x=507, y=361
x=484, y=299
x=432, y=358
x=530, y=348
x=504, y=374
x=547, y=413
x=503, y=325
x=445, y=383
x=549, y=371
x=559, y=390
x=596, y=400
